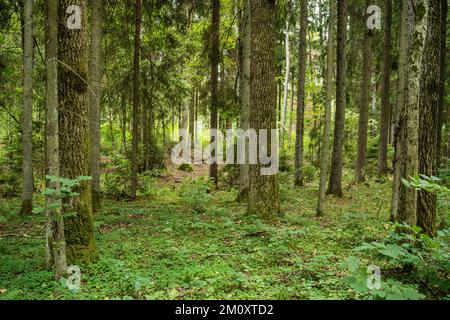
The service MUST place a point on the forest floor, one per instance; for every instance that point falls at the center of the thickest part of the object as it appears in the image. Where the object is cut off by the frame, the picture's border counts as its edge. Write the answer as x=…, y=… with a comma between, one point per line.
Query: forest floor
x=186, y=241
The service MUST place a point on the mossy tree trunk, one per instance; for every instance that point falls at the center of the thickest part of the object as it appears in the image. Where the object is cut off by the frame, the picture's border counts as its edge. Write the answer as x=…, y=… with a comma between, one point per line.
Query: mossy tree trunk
x=264, y=198
x=74, y=137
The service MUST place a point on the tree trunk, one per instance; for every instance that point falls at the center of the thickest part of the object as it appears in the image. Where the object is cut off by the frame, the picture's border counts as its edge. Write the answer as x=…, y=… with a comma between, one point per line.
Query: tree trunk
x=364, y=103
x=443, y=76
x=192, y=118
x=74, y=132
x=327, y=118
x=301, y=94
x=245, y=97
x=386, y=85
x=123, y=104
x=286, y=82
x=136, y=100
x=95, y=98
x=214, y=58
x=55, y=238
x=291, y=110
x=428, y=115
x=264, y=198
x=409, y=115
x=27, y=113
x=335, y=183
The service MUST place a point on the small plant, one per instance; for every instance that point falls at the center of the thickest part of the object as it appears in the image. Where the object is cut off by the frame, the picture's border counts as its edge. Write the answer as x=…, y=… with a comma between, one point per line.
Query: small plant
x=65, y=193
x=197, y=195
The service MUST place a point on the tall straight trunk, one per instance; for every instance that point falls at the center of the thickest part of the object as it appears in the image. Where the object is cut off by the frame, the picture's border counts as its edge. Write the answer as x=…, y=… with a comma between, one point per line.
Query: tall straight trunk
x=428, y=115
x=264, y=198
x=136, y=100
x=301, y=93
x=192, y=118
x=74, y=132
x=335, y=183
x=327, y=117
x=95, y=97
x=123, y=105
x=443, y=75
x=172, y=129
x=214, y=58
x=291, y=110
x=409, y=115
x=404, y=39
x=364, y=103
x=245, y=97
x=286, y=81
x=55, y=239
x=385, y=89
x=27, y=113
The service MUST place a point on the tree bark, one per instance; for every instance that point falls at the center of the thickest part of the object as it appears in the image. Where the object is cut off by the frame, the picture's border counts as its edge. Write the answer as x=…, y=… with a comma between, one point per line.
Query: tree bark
x=335, y=183
x=27, y=113
x=409, y=115
x=364, y=103
x=136, y=100
x=214, y=58
x=428, y=115
x=386, y=86
x=327, y=117
x=301, y=94
x=286, y=81
x=264, y=198
x=74, y=132
x=245, y=97
x=95, y=98
x=55, y=238
x=443, y=76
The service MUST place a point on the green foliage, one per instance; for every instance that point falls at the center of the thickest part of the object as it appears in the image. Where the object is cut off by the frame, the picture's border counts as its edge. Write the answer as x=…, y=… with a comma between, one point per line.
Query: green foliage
x=196, y=194
x=186, y=167
x=411, y=256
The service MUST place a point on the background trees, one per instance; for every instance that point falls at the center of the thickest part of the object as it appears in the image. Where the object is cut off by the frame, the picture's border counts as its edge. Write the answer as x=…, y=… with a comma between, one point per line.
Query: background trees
x=129, y=81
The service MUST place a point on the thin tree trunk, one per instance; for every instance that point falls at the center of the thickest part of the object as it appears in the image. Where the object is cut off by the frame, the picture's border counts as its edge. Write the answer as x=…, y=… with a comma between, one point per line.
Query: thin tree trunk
x=402, y=96
x=443, y=76
x=335, y=183
x=291, y=110
x=301, y=94
x=286, y=82
x=264, y=198
x=27, y=114
x=245, y=97
x=94, y=99
x=123, y=103
x=364, y=104
x=74, y=132
x=136, y=100
x=192, y=118
x=386, y=85
x=327, y=117
x=428, y=115
x=214, y=58
x=55, y=238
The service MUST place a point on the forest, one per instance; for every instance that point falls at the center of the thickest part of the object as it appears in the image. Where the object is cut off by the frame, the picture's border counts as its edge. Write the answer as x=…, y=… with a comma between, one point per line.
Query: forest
x=224, y=149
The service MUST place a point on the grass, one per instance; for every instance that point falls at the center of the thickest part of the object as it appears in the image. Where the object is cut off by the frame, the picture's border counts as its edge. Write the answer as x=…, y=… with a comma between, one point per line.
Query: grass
x=177, y=245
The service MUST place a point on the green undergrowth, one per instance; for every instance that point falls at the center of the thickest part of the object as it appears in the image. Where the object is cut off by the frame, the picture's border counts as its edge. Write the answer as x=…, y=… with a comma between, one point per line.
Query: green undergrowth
x=191, y=241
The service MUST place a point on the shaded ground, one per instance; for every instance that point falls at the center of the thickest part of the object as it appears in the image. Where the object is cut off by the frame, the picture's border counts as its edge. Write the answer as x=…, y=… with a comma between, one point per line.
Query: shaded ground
x=189, y=242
